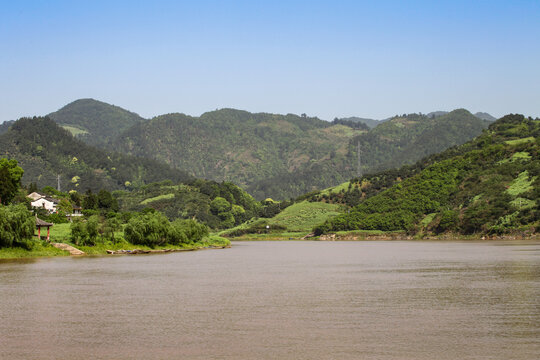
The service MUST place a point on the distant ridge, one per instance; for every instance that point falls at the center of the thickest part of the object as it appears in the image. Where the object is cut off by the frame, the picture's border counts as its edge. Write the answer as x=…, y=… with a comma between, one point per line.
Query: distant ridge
x=485, y=116
x=373, y=123
x=369, y=122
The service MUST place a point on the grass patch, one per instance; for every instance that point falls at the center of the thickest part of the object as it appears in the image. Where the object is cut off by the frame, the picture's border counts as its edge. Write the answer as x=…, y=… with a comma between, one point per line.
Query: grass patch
x=305, y=215
x=38, y=249
x=74, y=130
x=518, y=156
x=521, y=184
x=60, y=233
x=520, y=141
x=336, y=189
x=156, y=198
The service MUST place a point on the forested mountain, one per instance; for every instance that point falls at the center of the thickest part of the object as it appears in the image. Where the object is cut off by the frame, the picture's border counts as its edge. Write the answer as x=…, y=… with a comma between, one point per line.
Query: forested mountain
x=239, y=146
x=270, y=155
x=406, y=139
x=45, y=150
x=398, y=141
x=94, y=122
x=488, y=185
x=282, y=156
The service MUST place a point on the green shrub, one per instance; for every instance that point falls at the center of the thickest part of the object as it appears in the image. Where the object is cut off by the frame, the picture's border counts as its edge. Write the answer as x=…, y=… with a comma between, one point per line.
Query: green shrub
x=85, y=232
x=149, y=229
x=17, y=225
x=449, y=220
x=186, y=231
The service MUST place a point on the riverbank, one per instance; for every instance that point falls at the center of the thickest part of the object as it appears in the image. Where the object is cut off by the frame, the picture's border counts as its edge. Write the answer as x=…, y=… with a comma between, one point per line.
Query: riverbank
x=375, y=235
x=44, y=249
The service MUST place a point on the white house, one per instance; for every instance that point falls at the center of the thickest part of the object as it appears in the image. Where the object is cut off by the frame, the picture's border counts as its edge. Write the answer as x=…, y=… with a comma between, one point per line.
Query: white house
x=48, y=204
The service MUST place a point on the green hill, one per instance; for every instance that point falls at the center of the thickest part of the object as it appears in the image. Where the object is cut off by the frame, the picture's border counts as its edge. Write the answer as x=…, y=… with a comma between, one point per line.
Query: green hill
x=93, y=121
x=282, y=156
x=238, y=146
x=219, y=205
x=488, y=185
x=45, y=150
x=393, y=143
x=269, y=155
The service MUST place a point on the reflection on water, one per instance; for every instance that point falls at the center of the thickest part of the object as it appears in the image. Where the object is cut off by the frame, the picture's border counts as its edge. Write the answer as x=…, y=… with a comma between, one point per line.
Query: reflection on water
x=279, y=300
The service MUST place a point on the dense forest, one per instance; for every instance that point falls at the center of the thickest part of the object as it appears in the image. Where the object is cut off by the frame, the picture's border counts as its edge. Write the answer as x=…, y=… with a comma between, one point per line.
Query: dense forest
x=488, y=185
x=398, y=141
x=218, y=205
x=45, y=150
x=269, y=155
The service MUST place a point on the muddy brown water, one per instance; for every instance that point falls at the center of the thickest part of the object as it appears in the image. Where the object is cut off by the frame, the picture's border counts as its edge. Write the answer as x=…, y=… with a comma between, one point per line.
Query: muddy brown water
x=279, y=300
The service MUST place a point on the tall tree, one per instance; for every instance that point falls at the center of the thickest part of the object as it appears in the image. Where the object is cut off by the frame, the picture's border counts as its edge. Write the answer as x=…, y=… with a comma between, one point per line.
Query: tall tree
x=10, y=180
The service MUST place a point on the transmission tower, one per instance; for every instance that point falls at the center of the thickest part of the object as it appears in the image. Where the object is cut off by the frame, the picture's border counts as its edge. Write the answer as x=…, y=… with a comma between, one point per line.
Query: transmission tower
x=58, y=182
x=359, y=164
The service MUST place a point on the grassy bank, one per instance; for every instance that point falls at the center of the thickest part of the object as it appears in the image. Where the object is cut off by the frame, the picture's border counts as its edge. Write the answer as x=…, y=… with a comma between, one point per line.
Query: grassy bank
x=278, y=236
x=39, y=249
x=60, y=233
x=377, y=235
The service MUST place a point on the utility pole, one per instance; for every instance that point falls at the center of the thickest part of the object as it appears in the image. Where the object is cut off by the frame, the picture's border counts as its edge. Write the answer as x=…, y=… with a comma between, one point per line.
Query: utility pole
x=359, y=165
x=58, y=182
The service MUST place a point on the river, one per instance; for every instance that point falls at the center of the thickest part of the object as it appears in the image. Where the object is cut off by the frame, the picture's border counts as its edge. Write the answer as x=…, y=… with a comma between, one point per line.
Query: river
x=279, y=300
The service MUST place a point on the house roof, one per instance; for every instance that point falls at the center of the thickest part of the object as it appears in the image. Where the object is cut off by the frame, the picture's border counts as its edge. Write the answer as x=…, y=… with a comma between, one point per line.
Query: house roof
x=40, y=222
x=53, y=200
x=35, y=196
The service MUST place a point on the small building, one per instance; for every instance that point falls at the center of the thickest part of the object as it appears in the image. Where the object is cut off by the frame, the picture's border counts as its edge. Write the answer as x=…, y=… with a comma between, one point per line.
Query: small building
x=40, y=224
x=46, y=203
x=77, y=211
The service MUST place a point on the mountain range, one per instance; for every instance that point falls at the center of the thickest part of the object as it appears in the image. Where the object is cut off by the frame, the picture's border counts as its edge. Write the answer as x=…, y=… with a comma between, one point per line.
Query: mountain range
x=270, y=155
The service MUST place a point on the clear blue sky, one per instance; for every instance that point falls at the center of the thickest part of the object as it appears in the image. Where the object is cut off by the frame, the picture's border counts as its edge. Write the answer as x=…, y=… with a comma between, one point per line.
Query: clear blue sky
x=324, y=58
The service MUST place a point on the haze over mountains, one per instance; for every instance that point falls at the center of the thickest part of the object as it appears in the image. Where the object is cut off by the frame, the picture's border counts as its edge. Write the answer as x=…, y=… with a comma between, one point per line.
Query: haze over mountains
x=269, y=155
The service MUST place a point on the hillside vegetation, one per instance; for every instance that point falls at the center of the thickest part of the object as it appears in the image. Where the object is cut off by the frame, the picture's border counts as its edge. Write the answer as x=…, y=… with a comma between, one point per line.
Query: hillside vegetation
x=238, y=146
x=46, y=150
x=393, y=143
x=299, y=217
x=218, y=205
x=269, y=155
x=488, y=185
